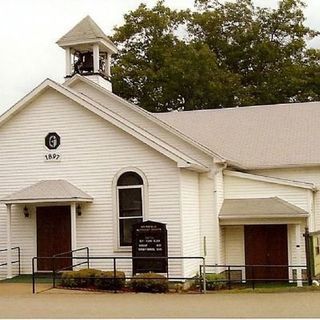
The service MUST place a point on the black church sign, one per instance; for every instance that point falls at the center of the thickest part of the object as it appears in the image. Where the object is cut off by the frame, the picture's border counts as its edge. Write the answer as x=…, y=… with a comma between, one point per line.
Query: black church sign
x=149, y=239
x=52, y=140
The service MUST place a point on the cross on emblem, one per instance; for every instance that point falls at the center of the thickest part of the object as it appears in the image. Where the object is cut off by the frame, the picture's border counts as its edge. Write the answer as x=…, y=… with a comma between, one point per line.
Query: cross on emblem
x=52, y=140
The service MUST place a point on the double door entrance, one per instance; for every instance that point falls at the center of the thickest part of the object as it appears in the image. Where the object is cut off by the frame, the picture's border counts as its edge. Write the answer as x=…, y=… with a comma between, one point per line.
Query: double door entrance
x=266, y=245
x=53, y=236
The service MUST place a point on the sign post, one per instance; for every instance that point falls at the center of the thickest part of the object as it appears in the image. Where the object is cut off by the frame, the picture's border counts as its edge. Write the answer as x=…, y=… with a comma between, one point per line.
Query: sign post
x=149, y=239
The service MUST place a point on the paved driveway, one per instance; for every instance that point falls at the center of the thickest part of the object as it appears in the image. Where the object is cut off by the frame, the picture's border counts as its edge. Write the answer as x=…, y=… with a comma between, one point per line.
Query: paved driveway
x=17, y=301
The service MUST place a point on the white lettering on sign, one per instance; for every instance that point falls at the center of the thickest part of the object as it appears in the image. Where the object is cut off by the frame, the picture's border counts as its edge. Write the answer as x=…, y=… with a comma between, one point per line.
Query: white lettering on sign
x=52, y=157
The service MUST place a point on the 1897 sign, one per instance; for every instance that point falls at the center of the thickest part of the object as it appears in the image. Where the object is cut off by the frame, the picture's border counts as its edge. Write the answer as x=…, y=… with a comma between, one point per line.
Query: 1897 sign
x=149, y=239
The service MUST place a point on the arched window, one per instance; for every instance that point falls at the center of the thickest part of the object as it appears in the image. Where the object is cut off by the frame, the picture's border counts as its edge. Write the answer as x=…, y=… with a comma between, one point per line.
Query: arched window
x=130, y=204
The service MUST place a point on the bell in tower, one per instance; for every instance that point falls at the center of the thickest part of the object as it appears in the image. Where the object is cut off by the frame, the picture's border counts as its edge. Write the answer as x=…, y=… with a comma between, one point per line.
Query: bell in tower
x=88, y=52
x=83, y=62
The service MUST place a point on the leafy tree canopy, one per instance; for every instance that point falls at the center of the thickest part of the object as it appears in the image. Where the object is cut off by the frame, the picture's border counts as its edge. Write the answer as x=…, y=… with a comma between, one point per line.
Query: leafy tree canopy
x=217, y=55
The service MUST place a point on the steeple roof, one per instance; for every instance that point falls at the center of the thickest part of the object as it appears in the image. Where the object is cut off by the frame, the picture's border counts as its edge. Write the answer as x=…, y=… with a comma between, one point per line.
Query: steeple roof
x=84, y=32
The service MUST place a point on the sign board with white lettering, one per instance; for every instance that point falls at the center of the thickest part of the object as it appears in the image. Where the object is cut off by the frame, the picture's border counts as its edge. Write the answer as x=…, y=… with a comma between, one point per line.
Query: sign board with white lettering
x=149, y=239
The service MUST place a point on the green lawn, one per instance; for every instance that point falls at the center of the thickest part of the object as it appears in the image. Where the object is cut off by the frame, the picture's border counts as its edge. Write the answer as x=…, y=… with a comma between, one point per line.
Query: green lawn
x=270, y=288
x=27, y=278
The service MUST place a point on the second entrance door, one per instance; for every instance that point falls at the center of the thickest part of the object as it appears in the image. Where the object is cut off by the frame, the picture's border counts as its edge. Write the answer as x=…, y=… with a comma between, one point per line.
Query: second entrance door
x=266, y=245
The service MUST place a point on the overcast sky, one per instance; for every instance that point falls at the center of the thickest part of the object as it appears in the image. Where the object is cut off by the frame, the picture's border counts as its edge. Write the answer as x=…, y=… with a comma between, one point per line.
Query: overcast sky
x=30, y=28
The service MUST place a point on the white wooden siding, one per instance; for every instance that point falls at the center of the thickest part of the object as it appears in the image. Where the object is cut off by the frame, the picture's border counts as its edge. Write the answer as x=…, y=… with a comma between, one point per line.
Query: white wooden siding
x=311, y=174
x=92, y=152
x=236, y=188
x=234, y=245
x=207, y=216
x=211, y=200
x=292, y=248
x=190, y=220
x=142, y=122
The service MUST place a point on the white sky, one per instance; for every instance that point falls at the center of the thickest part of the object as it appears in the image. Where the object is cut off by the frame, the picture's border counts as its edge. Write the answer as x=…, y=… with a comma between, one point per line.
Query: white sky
x=30, y=28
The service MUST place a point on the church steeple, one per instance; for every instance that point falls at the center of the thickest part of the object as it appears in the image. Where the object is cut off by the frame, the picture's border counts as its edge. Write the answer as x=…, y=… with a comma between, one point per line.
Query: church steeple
x=88, y=52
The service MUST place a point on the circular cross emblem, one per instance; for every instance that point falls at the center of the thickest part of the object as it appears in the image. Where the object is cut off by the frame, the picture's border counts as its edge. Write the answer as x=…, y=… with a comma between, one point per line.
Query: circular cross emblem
x=52, y=140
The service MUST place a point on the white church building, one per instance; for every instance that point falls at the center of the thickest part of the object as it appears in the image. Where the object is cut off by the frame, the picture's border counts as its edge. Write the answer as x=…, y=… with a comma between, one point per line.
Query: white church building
x=79, y=166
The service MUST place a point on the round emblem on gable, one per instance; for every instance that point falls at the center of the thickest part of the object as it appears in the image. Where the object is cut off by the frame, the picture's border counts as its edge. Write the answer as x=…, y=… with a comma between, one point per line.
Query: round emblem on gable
x=52, y=140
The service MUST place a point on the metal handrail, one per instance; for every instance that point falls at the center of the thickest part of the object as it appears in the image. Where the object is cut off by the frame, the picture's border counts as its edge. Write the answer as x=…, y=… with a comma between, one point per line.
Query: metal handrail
x=60, y=255
x=71, y=251
x=114, y=259
x=253, y=280
x=57, y=256
x=13, y=262
x=254, y=265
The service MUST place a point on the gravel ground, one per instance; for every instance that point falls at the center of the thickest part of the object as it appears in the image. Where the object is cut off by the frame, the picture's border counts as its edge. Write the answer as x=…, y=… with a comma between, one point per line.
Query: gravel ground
x=17, y=301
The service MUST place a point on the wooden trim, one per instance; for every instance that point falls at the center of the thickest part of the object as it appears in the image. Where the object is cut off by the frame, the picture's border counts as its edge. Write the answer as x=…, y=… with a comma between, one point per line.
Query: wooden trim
x=9, y=242
x=276, y=220
x=64, y=200
x=73, y=218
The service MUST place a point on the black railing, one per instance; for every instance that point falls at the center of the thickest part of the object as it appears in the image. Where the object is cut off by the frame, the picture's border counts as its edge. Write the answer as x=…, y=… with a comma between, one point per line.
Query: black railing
x=253, y=274
x=35, y=274
x=229, y=275
x=63, y=255
x=66, y=256
x=56, y=272
x=18, y=261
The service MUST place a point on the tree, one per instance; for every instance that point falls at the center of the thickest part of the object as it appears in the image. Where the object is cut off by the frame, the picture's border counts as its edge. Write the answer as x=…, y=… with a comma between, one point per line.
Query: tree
x=160, y=71
x=220, y=55
x=266, y=47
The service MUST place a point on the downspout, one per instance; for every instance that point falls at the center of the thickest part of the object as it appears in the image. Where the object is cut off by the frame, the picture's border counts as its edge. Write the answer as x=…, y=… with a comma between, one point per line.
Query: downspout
x=217, y=207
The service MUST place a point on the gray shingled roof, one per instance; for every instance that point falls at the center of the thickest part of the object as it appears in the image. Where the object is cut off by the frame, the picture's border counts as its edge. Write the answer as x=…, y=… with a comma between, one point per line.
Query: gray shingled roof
x=259, y=208
x=85, y=30
x=256, y=137
x=48, y=191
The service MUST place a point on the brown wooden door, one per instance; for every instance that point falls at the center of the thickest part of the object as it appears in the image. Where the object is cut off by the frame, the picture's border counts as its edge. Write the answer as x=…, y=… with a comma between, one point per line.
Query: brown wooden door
x=266, y=245
x=53, y=236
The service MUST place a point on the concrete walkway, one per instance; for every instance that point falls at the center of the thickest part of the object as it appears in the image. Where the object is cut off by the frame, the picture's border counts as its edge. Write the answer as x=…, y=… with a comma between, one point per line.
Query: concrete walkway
x=17, y=301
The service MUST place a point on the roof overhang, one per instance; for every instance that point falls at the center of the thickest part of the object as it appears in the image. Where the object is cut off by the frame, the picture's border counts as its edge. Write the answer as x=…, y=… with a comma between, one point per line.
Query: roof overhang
x=87, y=45
x=259, y=210
x=48, y=191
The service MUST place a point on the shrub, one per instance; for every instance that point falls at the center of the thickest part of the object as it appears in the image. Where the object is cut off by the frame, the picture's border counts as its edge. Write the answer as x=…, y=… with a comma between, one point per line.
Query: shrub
x=214, y=281
x=79, y=279
x=149, y=282
x=68, y=279
x=104, y=280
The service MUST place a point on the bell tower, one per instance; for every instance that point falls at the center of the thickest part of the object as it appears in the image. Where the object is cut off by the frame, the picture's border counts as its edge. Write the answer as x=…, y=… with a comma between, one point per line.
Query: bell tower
x=88, y=52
